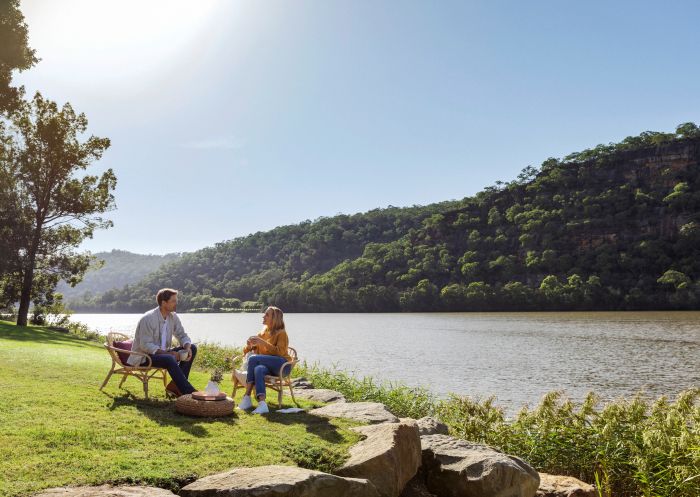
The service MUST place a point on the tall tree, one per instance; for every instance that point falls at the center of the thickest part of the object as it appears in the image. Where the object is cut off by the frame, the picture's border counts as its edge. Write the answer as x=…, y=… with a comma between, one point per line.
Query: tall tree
x=47, y=158
x=15, y=53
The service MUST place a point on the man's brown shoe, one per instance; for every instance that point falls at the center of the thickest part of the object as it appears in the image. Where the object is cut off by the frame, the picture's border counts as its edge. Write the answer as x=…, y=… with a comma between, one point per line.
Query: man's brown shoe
x=171, y=390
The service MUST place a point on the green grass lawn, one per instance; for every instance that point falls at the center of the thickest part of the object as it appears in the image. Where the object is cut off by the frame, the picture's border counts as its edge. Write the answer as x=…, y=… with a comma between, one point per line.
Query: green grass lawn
x=58, y=429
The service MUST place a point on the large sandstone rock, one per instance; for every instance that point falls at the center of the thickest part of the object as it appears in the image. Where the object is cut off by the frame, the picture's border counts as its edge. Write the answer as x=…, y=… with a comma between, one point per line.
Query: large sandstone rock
x=319, y=395
x=389, y=456
x=278, y=481
x=564, y=486
x=106, y=491
x=457, y=468
x=366, y=412
x=431, y=426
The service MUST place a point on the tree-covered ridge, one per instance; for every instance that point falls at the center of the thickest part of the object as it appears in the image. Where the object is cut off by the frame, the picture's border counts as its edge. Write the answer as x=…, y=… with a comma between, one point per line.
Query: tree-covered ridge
x=113, y=270
x=613, y=227
x=237, y=270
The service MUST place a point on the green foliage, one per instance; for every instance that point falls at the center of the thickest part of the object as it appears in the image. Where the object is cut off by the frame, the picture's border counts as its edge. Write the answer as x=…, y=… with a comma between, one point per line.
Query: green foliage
x=15, y=54
x=45, y=152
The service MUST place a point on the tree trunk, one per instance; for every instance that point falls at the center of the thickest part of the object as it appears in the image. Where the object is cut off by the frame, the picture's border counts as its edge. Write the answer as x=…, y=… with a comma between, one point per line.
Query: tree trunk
x=28, y=281
x=26, y=295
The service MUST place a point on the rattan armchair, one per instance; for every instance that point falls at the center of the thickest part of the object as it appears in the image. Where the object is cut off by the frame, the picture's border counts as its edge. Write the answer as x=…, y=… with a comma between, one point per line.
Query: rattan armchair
x=276, y=383
x=143, y=373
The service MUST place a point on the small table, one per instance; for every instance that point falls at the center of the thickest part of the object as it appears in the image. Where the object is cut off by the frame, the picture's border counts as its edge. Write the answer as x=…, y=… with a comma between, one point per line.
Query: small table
x=186, y=404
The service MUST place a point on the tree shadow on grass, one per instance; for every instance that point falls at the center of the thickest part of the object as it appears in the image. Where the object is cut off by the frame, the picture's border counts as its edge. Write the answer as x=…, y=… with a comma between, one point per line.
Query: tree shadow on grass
x=163, y=412
x=315, y=425
x=40, y=335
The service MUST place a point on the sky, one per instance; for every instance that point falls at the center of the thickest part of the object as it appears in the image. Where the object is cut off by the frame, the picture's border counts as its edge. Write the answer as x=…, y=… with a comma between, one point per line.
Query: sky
x=228, y=117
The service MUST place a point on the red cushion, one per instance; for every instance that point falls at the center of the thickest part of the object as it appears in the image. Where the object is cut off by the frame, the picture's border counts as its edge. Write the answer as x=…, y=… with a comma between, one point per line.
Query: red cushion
x=125, y=345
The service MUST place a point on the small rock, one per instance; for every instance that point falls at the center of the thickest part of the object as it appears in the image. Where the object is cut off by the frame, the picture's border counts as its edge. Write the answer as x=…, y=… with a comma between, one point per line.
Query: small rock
x=301, y=383
x=431, y=426
x=367, y=412
x=106, y=491
x=389, y=456
x=319, y=395
x=459, y=468
x=564, y=486
x=278, y=481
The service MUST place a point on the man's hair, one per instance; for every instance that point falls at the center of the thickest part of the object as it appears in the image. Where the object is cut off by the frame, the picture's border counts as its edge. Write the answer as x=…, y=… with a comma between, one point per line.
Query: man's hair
x=164, y=295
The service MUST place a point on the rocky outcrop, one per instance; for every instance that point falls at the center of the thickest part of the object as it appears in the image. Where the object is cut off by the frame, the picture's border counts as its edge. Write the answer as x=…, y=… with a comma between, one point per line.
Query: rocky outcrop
x=366, y=412
x=389, y=456
x=431, y=426
x=278, y=481
x=319, y=395
x=457, y=468
x=564, y=486
x=106, y=491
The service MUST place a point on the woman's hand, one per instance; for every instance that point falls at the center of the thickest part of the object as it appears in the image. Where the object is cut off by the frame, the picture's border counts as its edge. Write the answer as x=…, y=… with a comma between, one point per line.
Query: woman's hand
x=255, y=340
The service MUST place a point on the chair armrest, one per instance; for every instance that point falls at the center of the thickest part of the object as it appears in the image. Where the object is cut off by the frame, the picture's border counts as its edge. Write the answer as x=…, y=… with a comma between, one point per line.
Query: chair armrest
x=149, y=361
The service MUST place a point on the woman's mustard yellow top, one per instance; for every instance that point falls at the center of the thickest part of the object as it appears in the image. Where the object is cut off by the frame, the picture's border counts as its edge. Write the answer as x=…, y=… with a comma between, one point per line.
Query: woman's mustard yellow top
x=275, y=344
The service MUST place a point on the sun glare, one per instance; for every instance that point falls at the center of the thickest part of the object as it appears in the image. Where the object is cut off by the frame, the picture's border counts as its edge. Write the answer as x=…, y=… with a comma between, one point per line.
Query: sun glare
x=117, y=43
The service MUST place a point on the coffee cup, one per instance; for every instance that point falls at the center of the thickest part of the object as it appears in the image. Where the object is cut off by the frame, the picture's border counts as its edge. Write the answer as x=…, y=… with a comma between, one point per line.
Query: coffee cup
x=183, y=354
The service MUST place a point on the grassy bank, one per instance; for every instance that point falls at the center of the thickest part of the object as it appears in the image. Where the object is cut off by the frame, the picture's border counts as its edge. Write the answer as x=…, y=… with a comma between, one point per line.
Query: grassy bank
x=629, y=448
x=59, y=429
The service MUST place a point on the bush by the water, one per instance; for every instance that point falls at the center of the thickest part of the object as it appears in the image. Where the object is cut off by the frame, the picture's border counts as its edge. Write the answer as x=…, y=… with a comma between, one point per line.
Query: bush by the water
x=629, y=448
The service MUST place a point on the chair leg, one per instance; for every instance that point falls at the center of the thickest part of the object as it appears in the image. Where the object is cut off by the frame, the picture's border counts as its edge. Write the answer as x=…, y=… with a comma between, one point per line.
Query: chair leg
x=145, y=387
x=291, y=392
x=279, y=398
x=123, y=380
x=109, y=375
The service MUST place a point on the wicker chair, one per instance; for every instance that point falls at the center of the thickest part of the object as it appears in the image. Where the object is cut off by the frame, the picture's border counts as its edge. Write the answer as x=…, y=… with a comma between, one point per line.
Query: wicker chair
x=143, y=373
x=276, y=383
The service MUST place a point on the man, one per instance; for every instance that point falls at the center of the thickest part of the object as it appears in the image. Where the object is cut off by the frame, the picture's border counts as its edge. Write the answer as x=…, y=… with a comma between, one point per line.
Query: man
x=154, y=335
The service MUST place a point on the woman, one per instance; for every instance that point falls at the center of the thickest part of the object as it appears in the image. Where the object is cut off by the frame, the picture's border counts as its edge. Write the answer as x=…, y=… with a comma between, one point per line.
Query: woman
x=270, y=352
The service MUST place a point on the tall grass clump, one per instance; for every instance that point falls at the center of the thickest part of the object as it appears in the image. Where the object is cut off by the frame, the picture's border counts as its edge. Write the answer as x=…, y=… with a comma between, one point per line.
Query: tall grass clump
x=627, y=447
x=213, y=356
x=401, y=400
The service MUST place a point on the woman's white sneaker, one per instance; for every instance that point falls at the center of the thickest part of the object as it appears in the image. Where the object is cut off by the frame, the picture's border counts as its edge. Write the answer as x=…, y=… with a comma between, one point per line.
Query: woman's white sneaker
x=262, y=408
x=245, y=403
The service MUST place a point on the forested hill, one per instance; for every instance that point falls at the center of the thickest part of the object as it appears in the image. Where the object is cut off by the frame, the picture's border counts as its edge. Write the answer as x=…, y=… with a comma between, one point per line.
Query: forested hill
x=113, y=270
x=613, y=227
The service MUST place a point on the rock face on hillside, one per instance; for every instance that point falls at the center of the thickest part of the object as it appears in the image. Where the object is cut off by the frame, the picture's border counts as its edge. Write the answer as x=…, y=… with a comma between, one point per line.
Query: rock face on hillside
x=456, y=468
x=106, y=491
x=278, y=481
x=389, y=456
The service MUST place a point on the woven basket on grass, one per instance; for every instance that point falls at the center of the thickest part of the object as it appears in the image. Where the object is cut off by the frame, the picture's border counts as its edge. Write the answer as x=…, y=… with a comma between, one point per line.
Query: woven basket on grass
x=185, y=404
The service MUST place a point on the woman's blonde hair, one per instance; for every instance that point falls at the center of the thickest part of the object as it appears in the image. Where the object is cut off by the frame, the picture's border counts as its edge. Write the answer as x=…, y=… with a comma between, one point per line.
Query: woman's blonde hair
x=277, y=319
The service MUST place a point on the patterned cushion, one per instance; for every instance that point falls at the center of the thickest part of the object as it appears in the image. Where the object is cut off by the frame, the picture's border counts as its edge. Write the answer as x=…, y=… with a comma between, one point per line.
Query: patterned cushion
x=125, y=345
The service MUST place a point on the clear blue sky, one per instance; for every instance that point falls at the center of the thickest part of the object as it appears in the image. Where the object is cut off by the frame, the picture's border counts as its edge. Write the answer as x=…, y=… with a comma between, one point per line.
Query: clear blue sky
x=228, y=118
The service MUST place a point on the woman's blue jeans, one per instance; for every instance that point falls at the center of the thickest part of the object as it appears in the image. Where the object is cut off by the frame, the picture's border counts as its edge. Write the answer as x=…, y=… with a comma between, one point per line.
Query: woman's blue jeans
x=261, y=365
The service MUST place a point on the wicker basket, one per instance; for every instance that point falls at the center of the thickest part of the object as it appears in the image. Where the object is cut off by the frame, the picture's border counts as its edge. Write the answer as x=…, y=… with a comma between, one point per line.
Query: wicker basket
x=185, y=404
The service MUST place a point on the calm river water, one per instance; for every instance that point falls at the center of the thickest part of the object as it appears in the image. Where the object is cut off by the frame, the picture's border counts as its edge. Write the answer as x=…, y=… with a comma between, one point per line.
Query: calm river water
x=515, y=356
